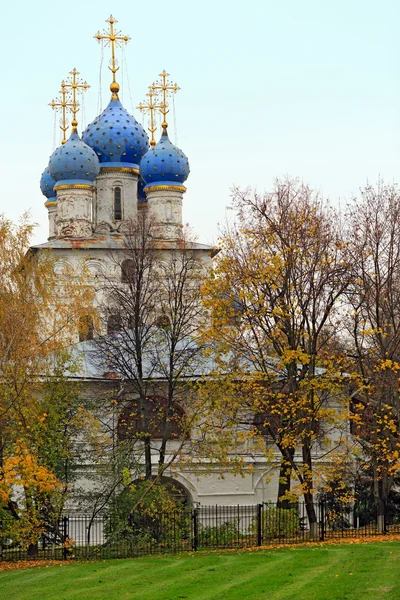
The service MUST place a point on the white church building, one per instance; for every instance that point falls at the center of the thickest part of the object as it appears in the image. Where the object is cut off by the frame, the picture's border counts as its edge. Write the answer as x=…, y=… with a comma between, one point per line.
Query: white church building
x=95, y=184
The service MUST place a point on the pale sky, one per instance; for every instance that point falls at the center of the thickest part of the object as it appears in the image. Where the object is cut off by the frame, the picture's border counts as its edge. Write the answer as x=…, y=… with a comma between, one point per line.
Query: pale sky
x=309, y=88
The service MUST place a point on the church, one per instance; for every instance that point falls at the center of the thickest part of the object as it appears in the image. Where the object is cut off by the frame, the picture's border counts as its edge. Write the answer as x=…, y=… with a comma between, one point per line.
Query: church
x=96, y=184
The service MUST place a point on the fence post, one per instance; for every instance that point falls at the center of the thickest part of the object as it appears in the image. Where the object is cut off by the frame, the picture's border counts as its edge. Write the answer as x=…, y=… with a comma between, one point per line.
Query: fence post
x=385, y=519
x=65, y=536
x=195, y=517
x=322, y=520
x=259, y=524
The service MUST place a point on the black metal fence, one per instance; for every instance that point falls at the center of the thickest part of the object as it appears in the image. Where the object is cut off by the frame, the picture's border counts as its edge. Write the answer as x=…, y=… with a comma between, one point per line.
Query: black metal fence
x=203, y=527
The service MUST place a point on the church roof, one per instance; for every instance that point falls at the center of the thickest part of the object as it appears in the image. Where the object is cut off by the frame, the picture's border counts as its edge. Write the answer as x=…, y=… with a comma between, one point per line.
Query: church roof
x=113, y=242
x=94, y=366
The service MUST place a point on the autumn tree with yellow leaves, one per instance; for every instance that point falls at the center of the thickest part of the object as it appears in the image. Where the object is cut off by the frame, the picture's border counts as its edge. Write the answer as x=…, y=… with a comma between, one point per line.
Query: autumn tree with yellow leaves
x=40, y=410
x=274, y=298
x=374, y=327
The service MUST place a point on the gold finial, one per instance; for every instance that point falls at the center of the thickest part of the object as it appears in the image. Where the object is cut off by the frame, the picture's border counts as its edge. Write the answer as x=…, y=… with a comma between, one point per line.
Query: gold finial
x=113, y=38
x=75, y=85
x=166, y=88
x=62, y=104
x=149, y=108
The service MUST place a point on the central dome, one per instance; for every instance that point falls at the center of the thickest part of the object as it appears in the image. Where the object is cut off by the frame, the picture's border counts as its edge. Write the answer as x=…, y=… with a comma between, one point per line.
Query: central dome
x=116, y=137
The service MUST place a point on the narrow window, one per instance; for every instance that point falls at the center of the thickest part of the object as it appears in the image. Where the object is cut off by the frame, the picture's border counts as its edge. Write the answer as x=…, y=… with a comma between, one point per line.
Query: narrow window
x=117, y=204
x=85, y=328
x=162, y=321
x=127, y=271
x=114, y=324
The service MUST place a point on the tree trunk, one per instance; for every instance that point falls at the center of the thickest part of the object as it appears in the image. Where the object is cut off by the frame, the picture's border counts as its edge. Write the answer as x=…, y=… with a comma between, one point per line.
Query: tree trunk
x=285, y=472
x=308, y=496
x=380, y=498
x=33, y=550
x=311, y=515
x=147, y=458
x=146, y=431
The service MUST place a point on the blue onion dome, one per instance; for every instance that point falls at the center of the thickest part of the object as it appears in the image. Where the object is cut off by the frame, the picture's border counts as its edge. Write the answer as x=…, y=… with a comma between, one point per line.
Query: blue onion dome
x=47, y=184
x=74, y=163
x=116, y=137
x=164, y=164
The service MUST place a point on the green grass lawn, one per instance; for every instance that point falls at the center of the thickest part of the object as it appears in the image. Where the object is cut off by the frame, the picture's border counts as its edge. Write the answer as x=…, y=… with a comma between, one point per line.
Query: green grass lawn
x=350, y=571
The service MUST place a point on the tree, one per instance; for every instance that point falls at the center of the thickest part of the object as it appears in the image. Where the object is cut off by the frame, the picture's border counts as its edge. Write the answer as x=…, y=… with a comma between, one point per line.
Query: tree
x=374, y=325
x=38, y=405
x=274, y=296
x=152, y=311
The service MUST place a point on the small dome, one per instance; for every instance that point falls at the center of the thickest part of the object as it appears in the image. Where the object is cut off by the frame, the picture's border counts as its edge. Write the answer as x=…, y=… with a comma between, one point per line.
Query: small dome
x=116, y=137
x=164, y=164
x=47, y=184
x=74, y=162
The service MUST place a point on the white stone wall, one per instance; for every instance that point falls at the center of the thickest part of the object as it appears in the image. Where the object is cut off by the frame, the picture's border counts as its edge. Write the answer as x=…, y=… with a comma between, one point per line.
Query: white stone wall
x=74, y=213
x=52, y=214
x=165, y=208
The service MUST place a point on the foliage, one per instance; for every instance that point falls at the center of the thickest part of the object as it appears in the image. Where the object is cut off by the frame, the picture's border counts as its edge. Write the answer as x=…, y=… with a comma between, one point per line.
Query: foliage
x=374, y=325
x=275, y=298
x=365, y=504
x=278, y=522
x=226, y=534
x=147, y=513
x=40, y=411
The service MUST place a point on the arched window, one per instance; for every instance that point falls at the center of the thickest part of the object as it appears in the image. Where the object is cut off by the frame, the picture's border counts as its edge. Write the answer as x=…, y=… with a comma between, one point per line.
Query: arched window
x=134, y=425
x=127, y=270
x=85, y=328
x=114, y=324
x=180, y=493
x=117, y=203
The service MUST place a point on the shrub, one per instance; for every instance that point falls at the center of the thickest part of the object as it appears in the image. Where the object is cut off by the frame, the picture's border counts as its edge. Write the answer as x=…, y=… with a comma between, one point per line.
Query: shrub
x=157, y=518
x=278, y=522
x=226, y=534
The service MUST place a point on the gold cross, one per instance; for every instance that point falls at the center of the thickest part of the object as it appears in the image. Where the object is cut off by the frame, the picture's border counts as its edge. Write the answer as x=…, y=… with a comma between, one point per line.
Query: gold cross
x=62, y=104
x=149, y=108
x=166, y=88
x=75, y=85
x=113, y=38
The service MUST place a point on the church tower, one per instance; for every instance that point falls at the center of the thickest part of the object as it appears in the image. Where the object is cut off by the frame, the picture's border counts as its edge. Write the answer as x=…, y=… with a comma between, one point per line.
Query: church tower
x=164, y=169
x=119, y=142
x=95, y=186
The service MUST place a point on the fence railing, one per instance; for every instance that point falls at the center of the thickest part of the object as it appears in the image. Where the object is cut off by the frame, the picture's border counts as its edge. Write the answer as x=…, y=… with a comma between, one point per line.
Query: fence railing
x=203, y=527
